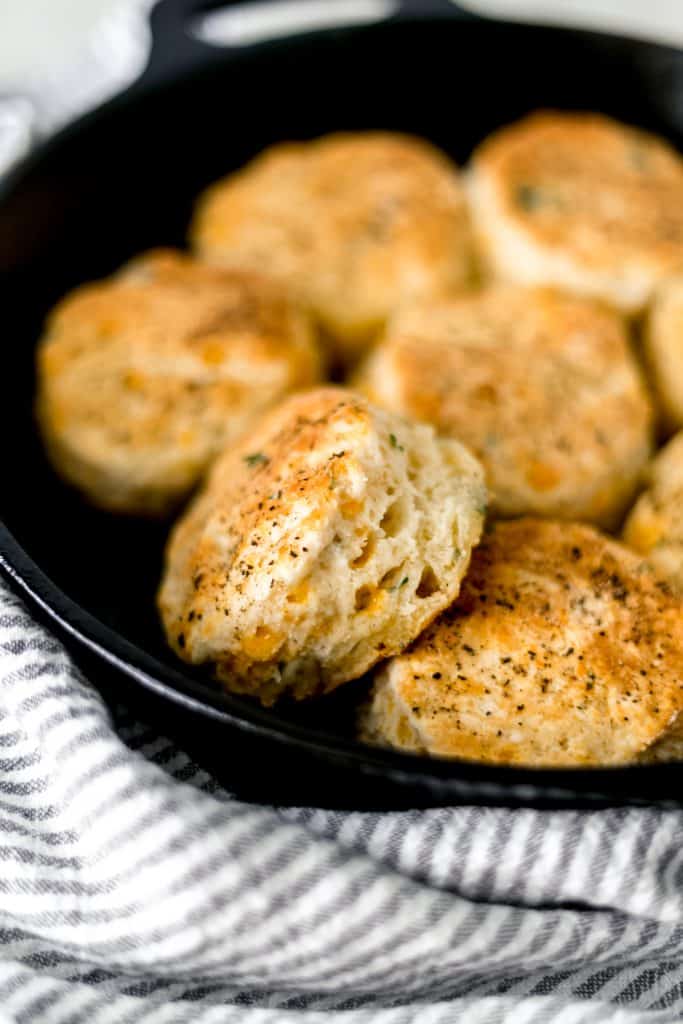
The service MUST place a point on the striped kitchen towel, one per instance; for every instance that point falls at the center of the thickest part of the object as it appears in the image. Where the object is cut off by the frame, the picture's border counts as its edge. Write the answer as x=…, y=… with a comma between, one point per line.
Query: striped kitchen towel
x=134, y=889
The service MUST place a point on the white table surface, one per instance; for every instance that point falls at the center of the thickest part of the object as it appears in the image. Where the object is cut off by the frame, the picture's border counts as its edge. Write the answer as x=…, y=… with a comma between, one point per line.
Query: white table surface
x=40, y=37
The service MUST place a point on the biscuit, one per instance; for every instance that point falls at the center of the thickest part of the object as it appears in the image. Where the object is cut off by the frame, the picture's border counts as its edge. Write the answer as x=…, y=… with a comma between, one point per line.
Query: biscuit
x=655, y=526
x=355, y=222
x=145, y=376
x=663, y=350
x=542, y=387
x=326, y=541
x=562, y=649
x=581, y=202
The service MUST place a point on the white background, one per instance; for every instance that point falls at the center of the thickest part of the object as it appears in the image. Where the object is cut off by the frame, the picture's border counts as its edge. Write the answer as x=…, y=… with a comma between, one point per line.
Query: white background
x=39, y=36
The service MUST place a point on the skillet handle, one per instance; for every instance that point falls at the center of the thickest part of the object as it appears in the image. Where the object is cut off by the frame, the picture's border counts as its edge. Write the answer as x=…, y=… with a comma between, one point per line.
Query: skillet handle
x=173, y=48
x=424, y=8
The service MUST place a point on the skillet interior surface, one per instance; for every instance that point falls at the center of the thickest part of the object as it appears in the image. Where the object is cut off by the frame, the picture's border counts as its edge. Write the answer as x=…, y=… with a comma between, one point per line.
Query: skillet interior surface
x=124, y=179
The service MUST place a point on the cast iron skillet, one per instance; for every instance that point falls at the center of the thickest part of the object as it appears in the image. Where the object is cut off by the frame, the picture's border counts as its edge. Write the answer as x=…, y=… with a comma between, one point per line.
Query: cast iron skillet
x=123, y=179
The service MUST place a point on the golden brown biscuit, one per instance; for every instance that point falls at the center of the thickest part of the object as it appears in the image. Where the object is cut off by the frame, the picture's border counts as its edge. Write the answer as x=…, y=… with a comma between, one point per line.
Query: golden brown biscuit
x=663, y=350
x=562, y=649
x=144, y=377
x=542, y=387
x=655, y=526
x=326, y=541
x=356, y=222
x=580, y=202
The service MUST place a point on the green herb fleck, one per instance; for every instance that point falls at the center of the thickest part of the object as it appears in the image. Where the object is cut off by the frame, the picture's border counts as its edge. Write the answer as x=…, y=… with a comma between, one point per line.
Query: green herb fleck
x=256, y=459
x=401, y=584
x=529, y=197
x=638, y=157
x=394, y=443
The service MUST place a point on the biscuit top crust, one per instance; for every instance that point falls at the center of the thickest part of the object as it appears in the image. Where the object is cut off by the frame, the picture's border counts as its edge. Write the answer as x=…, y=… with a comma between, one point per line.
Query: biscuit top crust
x=381, y=185
x=655, y=526
x=353, y=221
x=562, y=648
x=144, y=376
x=663, y=349
x=268, y=500
x=540, y=385
x=584, y=182
x=167, y=303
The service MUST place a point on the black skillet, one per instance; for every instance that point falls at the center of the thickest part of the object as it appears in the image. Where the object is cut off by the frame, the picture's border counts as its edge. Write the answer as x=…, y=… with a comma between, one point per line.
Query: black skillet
x=123, y=179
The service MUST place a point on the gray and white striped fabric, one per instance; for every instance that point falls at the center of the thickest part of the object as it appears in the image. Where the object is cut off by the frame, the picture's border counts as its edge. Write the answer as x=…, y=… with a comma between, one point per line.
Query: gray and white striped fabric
x=134, y=889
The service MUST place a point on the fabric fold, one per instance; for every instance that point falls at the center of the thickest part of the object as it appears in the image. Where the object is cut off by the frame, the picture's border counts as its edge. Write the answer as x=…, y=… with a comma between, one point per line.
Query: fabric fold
x=119, y=874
